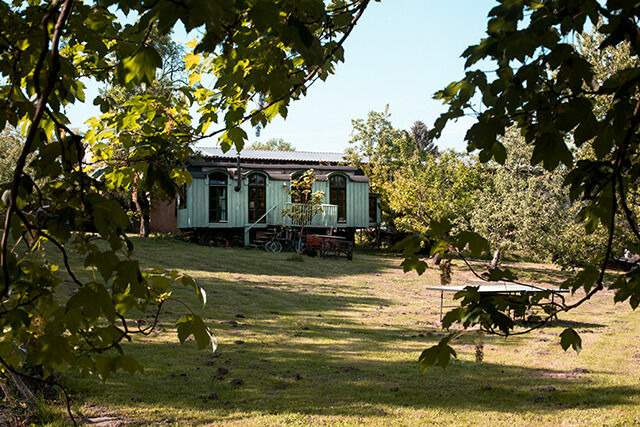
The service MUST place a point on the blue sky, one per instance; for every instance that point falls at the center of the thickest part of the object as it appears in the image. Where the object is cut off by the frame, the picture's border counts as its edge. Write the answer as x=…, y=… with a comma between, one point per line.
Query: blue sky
x=400, y=53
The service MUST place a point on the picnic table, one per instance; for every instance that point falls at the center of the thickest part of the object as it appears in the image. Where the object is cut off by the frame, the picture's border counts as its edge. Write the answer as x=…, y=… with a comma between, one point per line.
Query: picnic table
x=330, y=245
x=495, y=288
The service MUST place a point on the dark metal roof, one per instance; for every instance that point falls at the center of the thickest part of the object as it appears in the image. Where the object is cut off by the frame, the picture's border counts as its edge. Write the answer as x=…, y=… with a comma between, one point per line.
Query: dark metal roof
x=269, y=155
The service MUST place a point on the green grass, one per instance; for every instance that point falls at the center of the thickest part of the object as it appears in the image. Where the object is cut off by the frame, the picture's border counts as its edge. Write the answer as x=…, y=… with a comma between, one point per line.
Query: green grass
x=329, y=341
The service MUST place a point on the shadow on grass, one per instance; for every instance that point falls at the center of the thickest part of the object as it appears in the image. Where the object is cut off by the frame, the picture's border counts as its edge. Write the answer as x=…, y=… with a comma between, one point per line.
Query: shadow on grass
x=325, y=363
x=188, y=256
x=573, y=324
x=551, y=276
x=305, y=347
x=275, y=297
x=317, y=380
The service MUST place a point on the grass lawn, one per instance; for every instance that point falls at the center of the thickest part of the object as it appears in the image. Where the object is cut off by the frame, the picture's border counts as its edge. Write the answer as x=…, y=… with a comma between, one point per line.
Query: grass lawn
x=336, y=342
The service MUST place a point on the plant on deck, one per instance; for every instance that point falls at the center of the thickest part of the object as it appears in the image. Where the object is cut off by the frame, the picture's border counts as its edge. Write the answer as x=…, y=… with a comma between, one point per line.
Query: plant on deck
x=308, y=203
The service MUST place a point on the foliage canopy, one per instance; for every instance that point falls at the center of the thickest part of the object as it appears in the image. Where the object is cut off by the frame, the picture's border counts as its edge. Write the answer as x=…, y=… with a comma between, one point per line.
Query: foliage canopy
x=560, y=102
x=257, y=56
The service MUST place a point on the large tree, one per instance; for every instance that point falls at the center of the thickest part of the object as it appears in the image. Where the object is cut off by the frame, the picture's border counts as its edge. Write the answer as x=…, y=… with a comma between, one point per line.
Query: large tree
x=379, y=150
x=420, y=134
x=257, y=56
x=552, y=91
x=130, y=149
x=521, y=207
x=434, y=188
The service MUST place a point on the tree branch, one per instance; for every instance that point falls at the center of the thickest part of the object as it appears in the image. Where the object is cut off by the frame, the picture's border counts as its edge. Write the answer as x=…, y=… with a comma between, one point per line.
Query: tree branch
x=31, y=135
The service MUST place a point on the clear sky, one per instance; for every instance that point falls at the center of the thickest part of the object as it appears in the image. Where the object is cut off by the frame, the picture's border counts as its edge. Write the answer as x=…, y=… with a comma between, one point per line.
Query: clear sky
x=400, y=53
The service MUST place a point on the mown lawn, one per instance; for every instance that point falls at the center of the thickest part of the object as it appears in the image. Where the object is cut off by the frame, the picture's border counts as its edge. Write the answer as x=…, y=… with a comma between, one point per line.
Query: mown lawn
x=334, y=342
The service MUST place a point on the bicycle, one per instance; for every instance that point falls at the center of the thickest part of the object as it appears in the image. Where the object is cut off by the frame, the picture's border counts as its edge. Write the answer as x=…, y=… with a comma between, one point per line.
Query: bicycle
x=274, y=244
x=285, y=238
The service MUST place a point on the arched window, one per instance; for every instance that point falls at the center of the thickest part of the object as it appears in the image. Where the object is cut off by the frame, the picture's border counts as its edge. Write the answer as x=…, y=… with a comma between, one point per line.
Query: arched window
x=218, y=197
x=338, y=195
x=257, y=197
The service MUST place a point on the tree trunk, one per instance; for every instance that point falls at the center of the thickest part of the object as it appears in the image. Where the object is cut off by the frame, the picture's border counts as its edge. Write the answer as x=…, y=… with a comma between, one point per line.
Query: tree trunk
x=26, y=393
x=144, y=217
x=437, y=258
x=145, y=222
x=496, y=258
x=299, y=248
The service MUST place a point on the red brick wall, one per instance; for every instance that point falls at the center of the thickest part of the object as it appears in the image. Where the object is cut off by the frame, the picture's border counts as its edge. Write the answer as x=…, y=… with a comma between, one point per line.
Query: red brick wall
x=163, y=216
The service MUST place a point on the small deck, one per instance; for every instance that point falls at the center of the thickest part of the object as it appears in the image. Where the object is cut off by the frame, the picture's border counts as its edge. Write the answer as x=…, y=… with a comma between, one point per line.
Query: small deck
x=327, y=217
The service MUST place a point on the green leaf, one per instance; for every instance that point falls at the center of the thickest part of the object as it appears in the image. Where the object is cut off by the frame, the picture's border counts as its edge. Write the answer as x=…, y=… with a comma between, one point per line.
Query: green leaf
x=440, y=228
x=497, y=274
x=585, y=278
x=128, y=276
x=440, y=354
x=570, y=338
x=106, y=262
x=453, y=316
x=142, y=66
x=551, y=150
x=191, y=324
x=273, y=110
x=499, y=153
x=129, y=364
x=603, y=143
x=106, y=365
x=440, y=247
x=200, y=292
x=410, y=245
x=587, y=129
x=476, y=243
x=414, y=263
x=622, y=79
x=233, y=137
x=160, y=283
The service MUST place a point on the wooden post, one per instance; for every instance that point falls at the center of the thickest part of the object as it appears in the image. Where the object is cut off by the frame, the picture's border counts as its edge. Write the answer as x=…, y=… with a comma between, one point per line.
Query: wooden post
x=247, y=239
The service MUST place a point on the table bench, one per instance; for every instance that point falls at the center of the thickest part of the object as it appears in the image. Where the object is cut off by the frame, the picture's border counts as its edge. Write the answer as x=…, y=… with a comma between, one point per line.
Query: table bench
x=495, y=288
x=330, y=245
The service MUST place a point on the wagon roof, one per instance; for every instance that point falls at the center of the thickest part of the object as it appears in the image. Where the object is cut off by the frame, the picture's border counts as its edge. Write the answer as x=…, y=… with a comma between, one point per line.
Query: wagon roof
x=271, y=155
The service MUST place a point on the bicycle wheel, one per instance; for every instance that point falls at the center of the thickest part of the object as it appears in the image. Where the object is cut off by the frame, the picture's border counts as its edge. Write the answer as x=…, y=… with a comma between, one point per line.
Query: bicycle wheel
x=267, y=246
x=276, y=247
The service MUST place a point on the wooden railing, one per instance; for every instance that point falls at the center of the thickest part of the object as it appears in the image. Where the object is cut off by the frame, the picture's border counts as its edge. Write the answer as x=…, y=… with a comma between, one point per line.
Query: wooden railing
x=327, y=217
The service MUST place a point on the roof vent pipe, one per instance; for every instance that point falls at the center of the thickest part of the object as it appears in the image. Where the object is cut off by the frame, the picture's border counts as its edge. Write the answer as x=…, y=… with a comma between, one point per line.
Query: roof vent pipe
x=238, y=174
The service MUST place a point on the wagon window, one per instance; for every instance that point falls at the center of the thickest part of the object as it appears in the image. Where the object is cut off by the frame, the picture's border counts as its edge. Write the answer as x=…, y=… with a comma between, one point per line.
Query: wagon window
x=257, y=197
x=373, y=208
x=218, y=197
x=338, y=195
